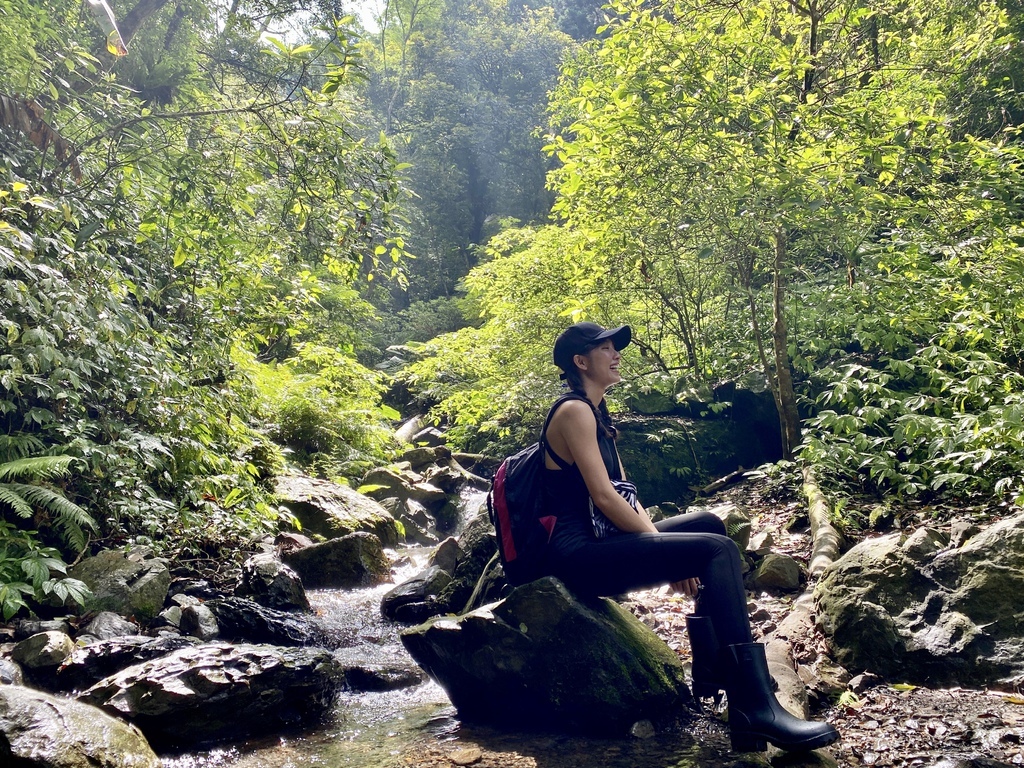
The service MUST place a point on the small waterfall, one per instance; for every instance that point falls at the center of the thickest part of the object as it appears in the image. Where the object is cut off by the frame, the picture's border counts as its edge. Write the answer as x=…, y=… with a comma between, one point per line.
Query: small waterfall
x=471, y=501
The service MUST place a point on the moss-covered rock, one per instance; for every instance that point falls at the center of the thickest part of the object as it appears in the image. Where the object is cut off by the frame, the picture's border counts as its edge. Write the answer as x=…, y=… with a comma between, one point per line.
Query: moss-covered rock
x=929, y=612
x=37, y=729
x=129, y=583
x=333, y=510
x=542, y=657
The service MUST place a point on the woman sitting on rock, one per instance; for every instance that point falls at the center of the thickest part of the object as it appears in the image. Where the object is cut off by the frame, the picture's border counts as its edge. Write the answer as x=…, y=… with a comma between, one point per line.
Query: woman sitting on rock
x=604, y=544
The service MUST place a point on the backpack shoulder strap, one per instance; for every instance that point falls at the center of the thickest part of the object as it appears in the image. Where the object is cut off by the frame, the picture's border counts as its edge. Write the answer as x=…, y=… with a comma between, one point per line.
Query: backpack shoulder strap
x=562, y=463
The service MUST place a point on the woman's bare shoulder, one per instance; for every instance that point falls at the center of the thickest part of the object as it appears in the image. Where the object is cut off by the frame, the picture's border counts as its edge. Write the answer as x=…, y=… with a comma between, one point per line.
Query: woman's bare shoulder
x=573, y=410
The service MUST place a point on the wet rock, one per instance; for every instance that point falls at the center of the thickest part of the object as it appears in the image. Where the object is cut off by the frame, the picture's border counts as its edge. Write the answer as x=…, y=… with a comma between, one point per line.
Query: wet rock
x=429, y=495
x=169, y=617
x=452, y=581
x=199, y=621
x=133, y=584
x=247, y=620
x=777, y=571
x=466, y=756
x=510, y=662
x=418, y=523
x=452, y=478
x=29, y=627
x=214, y=692
x=430, y=436
x=382, y=677
x=477, y=548
x=334, y=510
x=446, y=555
x=107, y=625
x=477, y=463
x=446, y=517
x=903, y=606
x=355, y=560
x=89, y=664
x=270, y=582
x=187, y=591
x=44, y=651
x=183, y=600
x=10, y=672
x=418, y=598
x=396, y=482
x=384, y=482
x=37, y=729
x=424, y=455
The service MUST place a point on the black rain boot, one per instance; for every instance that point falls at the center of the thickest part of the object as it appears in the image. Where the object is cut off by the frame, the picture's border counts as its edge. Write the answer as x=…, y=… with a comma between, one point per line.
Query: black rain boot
x=708, y=676
x=755, y=715
x=707, y=680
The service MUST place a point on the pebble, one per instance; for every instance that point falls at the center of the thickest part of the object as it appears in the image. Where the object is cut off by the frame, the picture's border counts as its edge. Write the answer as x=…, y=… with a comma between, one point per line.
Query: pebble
x=469, y=756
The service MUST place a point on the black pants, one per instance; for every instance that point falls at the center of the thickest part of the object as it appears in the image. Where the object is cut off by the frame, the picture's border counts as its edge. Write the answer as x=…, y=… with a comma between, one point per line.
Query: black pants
x=686, y=546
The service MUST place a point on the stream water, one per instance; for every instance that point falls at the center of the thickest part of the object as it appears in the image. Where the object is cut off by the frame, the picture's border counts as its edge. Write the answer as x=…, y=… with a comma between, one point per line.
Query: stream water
x=365, y=729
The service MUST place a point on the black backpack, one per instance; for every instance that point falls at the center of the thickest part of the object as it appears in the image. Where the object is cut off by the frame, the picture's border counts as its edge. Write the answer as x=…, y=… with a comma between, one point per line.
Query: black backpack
x=516, y=506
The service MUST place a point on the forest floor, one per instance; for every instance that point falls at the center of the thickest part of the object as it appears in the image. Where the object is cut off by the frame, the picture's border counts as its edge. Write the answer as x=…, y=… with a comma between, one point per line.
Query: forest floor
x=882, y=722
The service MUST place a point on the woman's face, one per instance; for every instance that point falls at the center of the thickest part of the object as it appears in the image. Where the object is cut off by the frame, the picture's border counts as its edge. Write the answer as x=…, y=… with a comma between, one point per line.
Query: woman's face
x=602, y=364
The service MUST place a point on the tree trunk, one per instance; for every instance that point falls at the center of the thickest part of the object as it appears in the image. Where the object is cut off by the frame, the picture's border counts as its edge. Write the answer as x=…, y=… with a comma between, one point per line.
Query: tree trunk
x=786, y=400
x=137, y=16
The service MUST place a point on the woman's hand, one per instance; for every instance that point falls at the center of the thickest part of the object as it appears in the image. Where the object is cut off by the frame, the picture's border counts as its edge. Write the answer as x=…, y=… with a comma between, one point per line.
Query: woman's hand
x=688, y=587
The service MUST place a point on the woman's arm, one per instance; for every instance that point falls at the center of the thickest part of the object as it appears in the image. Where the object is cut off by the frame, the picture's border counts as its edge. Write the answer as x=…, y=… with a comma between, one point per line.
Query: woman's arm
x=575, y=426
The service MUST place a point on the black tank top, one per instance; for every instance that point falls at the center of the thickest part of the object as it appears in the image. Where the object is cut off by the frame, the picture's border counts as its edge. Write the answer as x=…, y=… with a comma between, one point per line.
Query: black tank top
x=565, y=493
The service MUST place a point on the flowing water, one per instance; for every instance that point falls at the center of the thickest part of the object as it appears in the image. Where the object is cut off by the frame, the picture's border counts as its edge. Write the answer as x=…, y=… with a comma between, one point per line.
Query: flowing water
x=365, y=729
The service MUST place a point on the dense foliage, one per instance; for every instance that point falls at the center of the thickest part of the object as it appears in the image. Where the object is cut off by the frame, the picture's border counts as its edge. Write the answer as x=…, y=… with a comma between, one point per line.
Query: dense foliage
x=175, y=219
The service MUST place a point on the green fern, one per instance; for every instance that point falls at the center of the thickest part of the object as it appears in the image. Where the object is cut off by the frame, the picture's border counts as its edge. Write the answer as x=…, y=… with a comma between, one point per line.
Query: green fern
x=32, y=497
x=35, y=468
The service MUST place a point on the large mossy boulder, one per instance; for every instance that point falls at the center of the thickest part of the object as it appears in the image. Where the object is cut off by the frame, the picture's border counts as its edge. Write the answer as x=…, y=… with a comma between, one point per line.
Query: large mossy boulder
x=919, y=610
x=541, y=657
x=333, y=510
x=355, y=560
x=665, y=455
x=214, y=692
x=37, y=729
x=128, y=583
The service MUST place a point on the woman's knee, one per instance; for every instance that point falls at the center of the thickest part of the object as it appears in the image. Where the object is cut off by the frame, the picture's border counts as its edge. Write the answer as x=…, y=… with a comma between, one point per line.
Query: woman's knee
x=692, y=522
x=708, y=522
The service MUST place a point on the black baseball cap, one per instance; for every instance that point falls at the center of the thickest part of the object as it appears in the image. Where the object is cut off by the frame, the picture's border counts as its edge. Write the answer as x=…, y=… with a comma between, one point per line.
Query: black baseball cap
x=578, y=339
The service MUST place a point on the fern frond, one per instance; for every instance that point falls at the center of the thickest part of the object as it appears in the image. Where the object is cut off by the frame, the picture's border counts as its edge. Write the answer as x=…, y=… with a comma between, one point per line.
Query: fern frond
x=55, y=503
x=36, y=468
x=19, y=446
x=11, y=498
